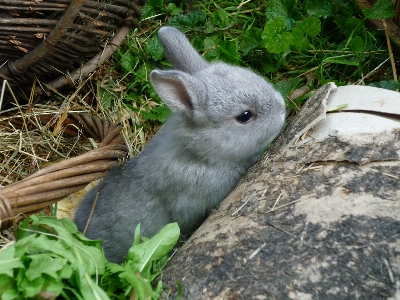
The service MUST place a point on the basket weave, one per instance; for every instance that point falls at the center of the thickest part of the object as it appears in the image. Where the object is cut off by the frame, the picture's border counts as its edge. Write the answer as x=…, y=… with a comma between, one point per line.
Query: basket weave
x=60, y=41
x=61, y=179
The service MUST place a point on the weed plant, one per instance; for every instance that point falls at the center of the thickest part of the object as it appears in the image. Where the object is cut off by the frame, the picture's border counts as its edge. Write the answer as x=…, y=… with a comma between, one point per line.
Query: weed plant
x=283, y=40
x=291, y=43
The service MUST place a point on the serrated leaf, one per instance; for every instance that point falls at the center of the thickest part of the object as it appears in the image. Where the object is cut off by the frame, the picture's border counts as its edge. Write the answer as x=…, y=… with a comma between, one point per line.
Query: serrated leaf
x=299, y=41
x=44, y=264
x=274, y=39
x=8, y=261
x=156, y=247
x=154, y=48
x=382, y=9
x=66, y=246
x=159, y=113
x=310, y=26
x=31, y=288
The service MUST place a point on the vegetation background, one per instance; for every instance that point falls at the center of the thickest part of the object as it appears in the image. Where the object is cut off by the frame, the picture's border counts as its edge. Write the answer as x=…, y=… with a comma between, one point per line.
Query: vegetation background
x=298, y=45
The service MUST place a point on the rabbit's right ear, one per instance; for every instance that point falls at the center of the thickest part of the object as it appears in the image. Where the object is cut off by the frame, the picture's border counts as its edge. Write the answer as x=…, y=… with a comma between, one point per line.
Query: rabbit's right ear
x=181, y=92
x=179, y=52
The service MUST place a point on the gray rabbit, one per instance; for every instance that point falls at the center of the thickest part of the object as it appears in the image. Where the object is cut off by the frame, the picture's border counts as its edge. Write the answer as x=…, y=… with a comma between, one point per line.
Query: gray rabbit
x=223, y=117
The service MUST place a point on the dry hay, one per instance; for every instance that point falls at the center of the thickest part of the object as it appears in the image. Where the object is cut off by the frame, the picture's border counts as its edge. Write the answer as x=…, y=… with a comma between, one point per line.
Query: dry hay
x=34, y=146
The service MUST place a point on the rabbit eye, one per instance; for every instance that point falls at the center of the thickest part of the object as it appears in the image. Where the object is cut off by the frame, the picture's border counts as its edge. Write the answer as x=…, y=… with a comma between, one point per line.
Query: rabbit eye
x=244, y=117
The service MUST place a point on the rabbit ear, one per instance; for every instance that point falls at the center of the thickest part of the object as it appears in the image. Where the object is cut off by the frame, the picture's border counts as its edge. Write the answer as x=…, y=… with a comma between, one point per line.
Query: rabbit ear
x=179, y=91
x=179, y=52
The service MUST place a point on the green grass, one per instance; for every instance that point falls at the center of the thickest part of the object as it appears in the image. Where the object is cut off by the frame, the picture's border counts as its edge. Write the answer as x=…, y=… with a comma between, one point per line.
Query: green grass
x=291, y=43
x=283, y=40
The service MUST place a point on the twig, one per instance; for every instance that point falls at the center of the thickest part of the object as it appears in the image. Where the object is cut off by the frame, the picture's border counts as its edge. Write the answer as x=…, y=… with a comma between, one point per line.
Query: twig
x=290, y=203
x=251, y=256
x=390, y=51
x=237, y=211
x=277, y=200
x=91, y=212
x=2, y=93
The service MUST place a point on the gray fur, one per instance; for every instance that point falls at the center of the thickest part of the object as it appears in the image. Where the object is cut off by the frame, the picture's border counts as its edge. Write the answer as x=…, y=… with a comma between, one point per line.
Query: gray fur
x=198, y=156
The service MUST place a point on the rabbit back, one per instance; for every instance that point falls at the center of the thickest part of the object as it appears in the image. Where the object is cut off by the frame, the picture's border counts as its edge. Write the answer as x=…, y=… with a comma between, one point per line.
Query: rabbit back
x=223, y=117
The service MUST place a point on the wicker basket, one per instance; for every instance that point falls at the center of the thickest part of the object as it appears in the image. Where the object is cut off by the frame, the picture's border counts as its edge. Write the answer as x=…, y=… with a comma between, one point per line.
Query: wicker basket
x=55, y=43
x=53, y=183
x=60, y=41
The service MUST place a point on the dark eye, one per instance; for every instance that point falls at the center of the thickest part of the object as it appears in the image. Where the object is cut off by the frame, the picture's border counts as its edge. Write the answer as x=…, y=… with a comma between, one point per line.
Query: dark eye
x=245, y=116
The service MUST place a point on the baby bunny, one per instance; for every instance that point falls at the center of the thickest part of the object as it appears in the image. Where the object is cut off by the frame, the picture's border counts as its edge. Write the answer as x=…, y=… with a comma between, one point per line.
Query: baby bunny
x=222, y=118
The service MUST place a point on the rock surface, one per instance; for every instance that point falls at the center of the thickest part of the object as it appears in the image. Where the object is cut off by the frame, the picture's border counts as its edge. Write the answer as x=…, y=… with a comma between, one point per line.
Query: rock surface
x=318, y=217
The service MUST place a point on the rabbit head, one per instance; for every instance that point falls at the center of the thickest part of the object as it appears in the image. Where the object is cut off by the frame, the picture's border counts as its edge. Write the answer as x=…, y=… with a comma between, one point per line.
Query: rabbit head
x=227, y=113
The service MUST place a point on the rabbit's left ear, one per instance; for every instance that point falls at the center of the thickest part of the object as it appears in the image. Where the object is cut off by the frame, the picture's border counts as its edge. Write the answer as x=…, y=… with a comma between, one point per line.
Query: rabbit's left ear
x=179, y=52
x=180, y=91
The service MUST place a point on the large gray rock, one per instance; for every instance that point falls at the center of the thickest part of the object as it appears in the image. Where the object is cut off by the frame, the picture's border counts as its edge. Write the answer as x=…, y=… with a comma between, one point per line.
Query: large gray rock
x=318, y=217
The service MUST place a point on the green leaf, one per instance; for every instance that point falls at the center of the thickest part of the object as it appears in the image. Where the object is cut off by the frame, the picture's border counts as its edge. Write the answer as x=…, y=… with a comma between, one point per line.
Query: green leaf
x=155, y=3
x=221, y=18
x=310, y=26
x=285, y=87
x=319, y=8
x=159, y=113
x=44, y=264
x=274, y=39
x=280, y=9
x=173, y=9
x=154, y=48
x=8, y=289
x=128, y=62
x=8, y=262
x=151, y=8
x=229, y=51
x=338, y=107
x=31, y=288
x=357, y=44
x=141, y=286
x=341, y=61
x=299, y=41
x=251, y=40
x=22, y=246
x=156, y=247
x=382, y=9
x=5, y=281
x=211, y=47
x=89, y=258
x=136, y=237
x=386, y=84
x=193, y=20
